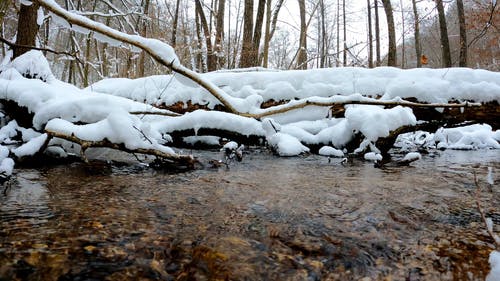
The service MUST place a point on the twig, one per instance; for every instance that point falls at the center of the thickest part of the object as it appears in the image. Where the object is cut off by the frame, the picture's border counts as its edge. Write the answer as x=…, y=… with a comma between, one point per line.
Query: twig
x=489, y=229
x=14, y=45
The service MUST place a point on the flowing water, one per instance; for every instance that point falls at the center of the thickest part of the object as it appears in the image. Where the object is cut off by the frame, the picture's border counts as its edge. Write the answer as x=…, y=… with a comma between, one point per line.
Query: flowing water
x=265, y=218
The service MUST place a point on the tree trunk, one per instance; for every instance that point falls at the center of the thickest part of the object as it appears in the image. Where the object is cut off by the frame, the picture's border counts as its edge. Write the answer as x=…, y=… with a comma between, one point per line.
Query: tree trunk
x=302, y=55
x=418, y=47
x=463, y=34
x=219, y=33
x=267, y=34
x=257, y=33
x=345, y=33
x=173, y=41
x=377, y=35
x=211, y=59
x=337, y=63
x=403, y=43
x=370, y=36
x=246, y=58
x=142, y=56
x=27, y=28
x=391, y=59
x=445, y=43
x=323, y=35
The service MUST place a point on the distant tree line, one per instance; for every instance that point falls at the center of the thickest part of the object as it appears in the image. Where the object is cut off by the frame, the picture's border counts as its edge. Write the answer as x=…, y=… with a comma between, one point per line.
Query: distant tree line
x=224, y=34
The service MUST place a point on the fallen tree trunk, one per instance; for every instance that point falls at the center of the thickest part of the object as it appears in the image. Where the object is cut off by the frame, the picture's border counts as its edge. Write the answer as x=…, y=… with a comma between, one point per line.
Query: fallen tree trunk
x=186, y=160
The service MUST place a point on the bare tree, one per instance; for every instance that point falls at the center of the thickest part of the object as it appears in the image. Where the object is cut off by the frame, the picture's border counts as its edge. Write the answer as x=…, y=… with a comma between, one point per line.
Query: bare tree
x=302, y=54
x=219, y=32
x=257, y=33
x=463, y=34
x=144, y=28
x=443, y=30
x=173, y=41
x=345, y=33
x=27, y=30
x=370, y=35
x=377, y=34
x=391, y=60
x=416, y=33
x=206, y=33
x=247, y=58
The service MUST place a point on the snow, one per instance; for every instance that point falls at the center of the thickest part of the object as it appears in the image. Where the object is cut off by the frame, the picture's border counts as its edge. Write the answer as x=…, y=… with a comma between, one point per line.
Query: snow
x=33, y=64
x=494, y=261
x=330, y=151
x=286, y=145
x=412, y=156
x=362, y=119
x=477, y=136
x=101, y=111
x=468, y=137
x=31, y=147
x=372, y=156
x=426, y=85
x=489, y=178
x=6, y=167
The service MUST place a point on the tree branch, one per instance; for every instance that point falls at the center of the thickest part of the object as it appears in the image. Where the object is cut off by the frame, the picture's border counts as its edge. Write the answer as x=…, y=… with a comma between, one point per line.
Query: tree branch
x=146, y=44
x=14, y=45
x=187, y=160
x=304, y=103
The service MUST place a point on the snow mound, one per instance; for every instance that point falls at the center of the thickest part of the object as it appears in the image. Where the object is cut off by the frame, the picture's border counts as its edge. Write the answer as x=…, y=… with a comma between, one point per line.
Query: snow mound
x=372, y=156
x=412, y=156
x=375, y=122
x=33, y=64
x=331, y=151
x=478, y=136
x=286, y=145
x=469, y=137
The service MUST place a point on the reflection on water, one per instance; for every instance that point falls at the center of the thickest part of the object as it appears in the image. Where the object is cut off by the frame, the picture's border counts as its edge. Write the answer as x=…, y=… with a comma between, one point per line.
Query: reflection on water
x=265, y=218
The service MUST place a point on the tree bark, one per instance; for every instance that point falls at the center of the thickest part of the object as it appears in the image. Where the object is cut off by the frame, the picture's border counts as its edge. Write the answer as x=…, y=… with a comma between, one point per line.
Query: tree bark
x=391, y=59
x=302, y=55
x=27, y=28
x=345, y=33
x=463, y=34
x=322, y=42
x=267, y=35
x=370, y=35
x=173, y=41
x=443, y=30
x=142, y=57
x=219, y=33
x=246, y=58
x=257, y=33
x=377, y=35
x=416, y=32
x=211, y=59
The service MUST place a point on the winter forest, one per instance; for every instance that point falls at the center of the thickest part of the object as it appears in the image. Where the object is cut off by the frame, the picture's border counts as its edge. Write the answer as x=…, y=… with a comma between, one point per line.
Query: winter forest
x=249, y=140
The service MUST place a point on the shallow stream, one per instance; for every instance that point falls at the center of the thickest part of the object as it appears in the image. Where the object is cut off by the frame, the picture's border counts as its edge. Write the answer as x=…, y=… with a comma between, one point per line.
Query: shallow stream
x=265, y=218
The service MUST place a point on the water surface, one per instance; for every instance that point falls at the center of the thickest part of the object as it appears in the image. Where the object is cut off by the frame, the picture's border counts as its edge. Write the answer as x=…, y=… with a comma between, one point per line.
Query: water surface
x=265, y=218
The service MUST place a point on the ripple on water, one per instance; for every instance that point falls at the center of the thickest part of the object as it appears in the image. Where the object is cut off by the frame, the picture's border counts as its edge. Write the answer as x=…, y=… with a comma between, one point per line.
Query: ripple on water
x=26, y=204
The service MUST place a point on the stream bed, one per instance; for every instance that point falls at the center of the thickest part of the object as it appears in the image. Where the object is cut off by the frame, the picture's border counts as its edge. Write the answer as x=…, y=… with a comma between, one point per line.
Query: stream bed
x=265, y=218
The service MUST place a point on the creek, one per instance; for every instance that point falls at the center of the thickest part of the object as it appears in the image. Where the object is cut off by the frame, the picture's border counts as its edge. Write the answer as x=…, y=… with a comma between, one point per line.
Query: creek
x=265, y=218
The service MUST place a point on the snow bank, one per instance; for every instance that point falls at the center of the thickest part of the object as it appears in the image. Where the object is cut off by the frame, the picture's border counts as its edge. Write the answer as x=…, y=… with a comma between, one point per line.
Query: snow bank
x=427, y=85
